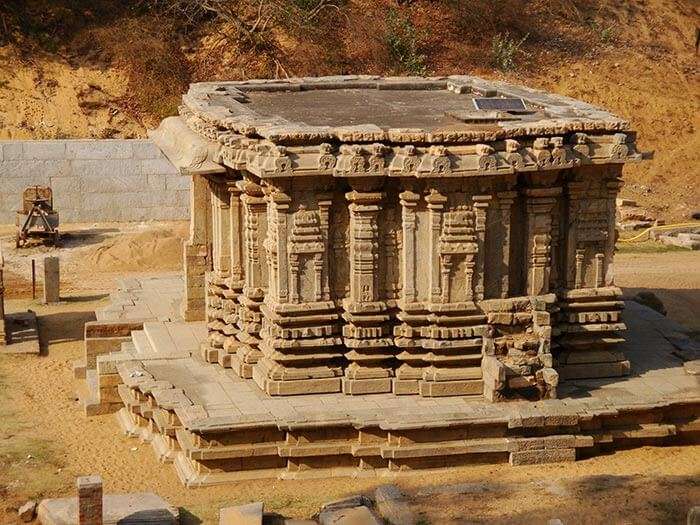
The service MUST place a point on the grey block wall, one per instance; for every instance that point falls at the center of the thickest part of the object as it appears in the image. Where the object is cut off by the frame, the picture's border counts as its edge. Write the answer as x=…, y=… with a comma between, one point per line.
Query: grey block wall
x=94, y=180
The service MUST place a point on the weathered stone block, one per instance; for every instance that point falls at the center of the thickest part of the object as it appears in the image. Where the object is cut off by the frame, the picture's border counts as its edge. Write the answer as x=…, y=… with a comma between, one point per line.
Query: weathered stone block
x=51, y=280
x=145, y=149
x=44, y=149
x=89, y=500
x=11, y=150
x=250, y=514
x=178, y=182
x=104, y=169
x=98, y=149
x=159, y=165
x=536, y=457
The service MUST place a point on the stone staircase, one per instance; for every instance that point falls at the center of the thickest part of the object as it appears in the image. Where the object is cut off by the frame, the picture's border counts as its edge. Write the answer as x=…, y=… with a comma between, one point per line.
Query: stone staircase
x=157, y=340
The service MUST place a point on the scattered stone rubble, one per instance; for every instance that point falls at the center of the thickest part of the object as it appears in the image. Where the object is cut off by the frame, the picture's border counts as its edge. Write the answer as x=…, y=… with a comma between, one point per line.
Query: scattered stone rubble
x=27, y=512
x=90, y=507
x=388, y=507
x=632, y=217
x=689, y=240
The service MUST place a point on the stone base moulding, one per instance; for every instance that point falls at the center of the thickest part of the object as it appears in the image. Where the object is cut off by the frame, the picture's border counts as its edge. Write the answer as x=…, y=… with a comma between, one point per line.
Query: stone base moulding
x=216, y=427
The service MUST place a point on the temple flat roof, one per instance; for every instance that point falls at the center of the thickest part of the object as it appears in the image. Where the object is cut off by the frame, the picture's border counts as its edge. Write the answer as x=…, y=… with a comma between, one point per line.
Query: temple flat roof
x=398, y=109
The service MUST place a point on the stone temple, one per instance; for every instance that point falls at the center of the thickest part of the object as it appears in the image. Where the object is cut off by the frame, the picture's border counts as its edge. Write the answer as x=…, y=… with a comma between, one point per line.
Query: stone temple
x=386, y=274
x=428, y=237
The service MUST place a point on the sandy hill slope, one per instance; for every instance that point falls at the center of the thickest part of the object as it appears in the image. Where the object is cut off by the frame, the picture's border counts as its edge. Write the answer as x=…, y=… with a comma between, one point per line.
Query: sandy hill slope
x=113, y=69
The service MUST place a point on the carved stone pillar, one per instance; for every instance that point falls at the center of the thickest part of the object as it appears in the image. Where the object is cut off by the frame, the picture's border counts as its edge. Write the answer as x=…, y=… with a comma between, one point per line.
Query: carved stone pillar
x=409, y=202
x=218, y=306
x=235, y=282
x=505, y=205
x=411, y=314
x=480, y=205
x=539, y=205
x=613, y=189
x=452, y=339
x=436, y=204
x=366, y=334
x=574, y=256
x=590, y=320
x=301, y=347
x=255, y=278
x=195, y=252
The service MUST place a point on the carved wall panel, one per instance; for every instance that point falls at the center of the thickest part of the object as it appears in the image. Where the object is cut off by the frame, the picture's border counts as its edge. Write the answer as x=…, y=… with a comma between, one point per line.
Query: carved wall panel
x=375, y=285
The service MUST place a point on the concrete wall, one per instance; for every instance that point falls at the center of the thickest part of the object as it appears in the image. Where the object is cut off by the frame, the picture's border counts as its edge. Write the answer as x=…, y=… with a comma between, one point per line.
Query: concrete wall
x=94, y=180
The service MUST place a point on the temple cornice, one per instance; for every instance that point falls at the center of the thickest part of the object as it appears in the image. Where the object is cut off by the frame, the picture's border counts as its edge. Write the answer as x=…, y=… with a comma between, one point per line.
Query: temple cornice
x=267, y=160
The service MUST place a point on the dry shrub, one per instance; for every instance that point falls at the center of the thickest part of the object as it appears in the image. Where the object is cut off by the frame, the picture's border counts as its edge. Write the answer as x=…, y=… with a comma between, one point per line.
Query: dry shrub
x=145, y=49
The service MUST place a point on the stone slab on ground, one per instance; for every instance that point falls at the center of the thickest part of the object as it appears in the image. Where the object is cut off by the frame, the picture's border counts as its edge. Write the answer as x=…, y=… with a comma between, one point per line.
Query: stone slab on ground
x=350, y=516
x=688, y=243
x=250, y=514
x=143, y=508
x=22, y=333
x=392, y=505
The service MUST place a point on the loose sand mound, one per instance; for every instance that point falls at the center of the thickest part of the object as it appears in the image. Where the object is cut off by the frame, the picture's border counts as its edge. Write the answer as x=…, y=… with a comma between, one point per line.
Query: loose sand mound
x=159, y=249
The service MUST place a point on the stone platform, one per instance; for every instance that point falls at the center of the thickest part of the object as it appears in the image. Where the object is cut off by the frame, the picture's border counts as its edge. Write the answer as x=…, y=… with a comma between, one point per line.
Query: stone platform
x=217, y=427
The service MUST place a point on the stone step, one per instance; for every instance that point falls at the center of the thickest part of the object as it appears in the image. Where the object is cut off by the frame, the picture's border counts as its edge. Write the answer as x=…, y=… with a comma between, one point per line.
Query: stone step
x=183, y=337
x=128, y=347
x=159, y=337
x=141, y=342
x=170, y=339
x=89, y=395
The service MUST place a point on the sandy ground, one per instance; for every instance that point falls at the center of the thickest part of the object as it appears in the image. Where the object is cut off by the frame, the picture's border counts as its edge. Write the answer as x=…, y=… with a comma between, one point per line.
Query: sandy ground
x=93, y=256
x=45, y=441
x=673, y=276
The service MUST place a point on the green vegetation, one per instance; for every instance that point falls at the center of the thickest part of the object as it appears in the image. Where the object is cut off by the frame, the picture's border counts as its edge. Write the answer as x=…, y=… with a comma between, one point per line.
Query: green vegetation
x=606, y=34
x=647, y=247
x=402, y=41
x=505, y=51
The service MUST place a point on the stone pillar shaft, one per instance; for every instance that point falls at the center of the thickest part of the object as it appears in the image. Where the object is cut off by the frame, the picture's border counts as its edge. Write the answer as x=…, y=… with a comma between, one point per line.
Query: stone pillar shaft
x=367, y=332
x=505, y=205
x=539, y=205
x=195, y=252
x=481, y=204
x=89, y=500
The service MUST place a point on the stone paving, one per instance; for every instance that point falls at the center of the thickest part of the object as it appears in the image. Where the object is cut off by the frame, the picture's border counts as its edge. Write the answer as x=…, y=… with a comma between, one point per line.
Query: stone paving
x=216, y=398
x=145, y=298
